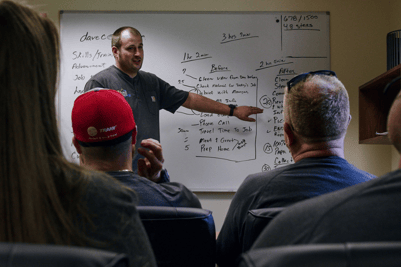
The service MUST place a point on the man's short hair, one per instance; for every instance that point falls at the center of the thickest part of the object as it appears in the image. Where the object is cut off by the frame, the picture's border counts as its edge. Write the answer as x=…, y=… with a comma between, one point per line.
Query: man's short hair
x=116, y=38
x=318, y=108
x=107, y=153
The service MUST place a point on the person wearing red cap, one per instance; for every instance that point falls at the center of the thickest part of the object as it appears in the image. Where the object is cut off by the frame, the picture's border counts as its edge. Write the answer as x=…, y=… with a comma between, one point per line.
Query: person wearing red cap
x=105, y=135
x=147, y=94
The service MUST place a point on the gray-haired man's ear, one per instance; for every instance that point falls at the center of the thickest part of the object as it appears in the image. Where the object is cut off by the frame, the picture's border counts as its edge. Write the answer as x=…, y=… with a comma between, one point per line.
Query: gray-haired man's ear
x=288, y=134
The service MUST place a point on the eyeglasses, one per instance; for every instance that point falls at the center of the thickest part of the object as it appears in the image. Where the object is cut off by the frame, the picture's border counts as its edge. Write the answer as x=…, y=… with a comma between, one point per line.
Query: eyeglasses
x=301, y=77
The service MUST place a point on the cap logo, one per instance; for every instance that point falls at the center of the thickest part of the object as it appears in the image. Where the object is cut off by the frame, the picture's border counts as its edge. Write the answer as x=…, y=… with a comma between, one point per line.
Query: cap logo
x=105, y=130
x=92, y=131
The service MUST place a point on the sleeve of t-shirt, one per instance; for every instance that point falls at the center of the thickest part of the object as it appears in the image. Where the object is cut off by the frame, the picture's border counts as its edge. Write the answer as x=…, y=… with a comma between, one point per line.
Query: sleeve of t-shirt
x=92, y=84
x=171, y=98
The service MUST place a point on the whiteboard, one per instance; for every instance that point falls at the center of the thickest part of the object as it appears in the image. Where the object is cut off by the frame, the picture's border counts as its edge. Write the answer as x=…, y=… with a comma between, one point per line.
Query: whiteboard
x=242, y=58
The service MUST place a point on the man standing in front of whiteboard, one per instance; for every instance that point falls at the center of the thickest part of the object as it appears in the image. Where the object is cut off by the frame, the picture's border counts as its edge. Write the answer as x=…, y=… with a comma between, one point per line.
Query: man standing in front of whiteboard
x=316, y=118
x=147, y=94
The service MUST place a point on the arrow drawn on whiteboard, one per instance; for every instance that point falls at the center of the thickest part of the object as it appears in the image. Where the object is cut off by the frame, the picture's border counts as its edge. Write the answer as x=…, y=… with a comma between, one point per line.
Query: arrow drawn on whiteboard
x=191, y=77
x=192, y=112
x=190, y=86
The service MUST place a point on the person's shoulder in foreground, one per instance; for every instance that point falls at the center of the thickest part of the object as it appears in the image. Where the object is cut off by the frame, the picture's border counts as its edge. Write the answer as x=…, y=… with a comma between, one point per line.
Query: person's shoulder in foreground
x=332, y=172
x=115, y=223
x=365, y=212
x=162, y=193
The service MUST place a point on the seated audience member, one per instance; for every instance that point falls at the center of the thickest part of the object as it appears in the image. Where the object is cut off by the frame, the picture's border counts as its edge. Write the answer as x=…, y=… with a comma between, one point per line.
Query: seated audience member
x=104, y=136
x=366, y=212
x=44, y=198
x=316, y=117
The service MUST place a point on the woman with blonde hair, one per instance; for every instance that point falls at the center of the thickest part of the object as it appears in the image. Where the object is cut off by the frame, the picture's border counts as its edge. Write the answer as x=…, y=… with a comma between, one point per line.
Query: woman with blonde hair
x=45, y=198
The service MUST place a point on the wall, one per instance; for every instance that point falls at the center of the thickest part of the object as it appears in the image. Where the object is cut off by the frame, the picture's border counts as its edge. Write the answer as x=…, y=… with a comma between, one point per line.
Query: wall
x=358, y=53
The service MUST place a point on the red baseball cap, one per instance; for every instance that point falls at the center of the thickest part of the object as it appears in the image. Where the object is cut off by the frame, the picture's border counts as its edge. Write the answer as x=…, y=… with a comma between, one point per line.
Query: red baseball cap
x=102, y=117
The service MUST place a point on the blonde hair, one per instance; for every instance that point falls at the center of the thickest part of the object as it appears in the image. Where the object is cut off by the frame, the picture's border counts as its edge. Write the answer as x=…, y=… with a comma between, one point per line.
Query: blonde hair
x=40, y=191
x=318, y=108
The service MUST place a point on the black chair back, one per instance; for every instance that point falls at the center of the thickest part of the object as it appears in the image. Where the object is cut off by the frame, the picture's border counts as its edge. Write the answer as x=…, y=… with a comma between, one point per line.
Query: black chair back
x=180, y=236
x=255, y=221
x=366, y=254
x=35, y=255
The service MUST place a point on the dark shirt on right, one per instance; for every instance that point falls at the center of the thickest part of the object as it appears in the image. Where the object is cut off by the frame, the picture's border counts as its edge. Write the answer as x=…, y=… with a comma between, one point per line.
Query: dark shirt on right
x=367, y=212
x=281, y=187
